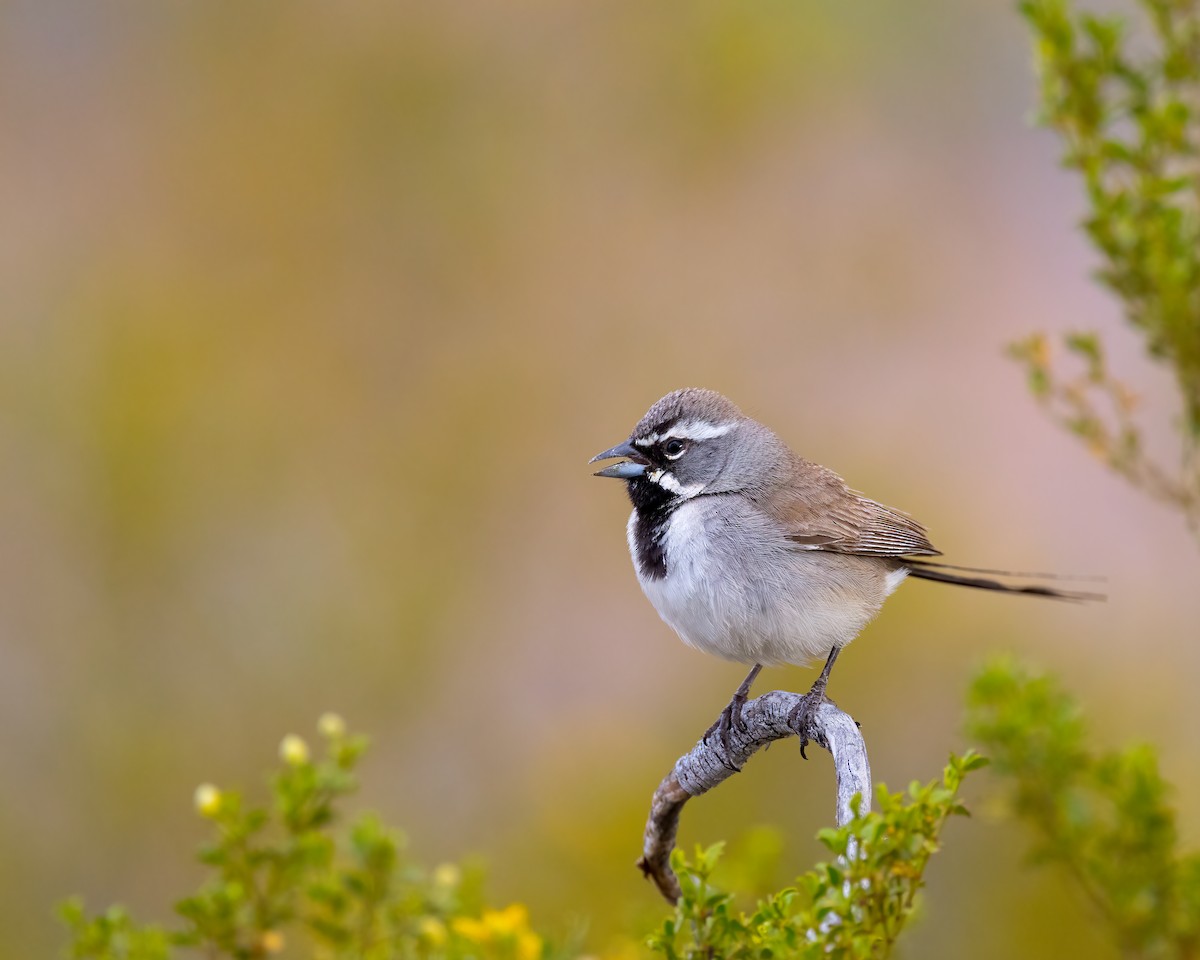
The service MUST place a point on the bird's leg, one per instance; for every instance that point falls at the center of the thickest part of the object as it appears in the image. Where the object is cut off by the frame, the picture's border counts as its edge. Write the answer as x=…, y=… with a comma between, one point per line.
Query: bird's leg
x=818, y=686
x=810, y=701
x=731, y=716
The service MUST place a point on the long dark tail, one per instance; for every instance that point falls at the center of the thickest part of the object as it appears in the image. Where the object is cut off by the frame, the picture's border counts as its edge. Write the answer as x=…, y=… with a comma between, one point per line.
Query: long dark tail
x=926, y=570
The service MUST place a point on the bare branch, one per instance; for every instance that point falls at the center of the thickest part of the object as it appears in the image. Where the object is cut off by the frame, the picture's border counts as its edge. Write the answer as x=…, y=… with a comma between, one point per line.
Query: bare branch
x=765, y=719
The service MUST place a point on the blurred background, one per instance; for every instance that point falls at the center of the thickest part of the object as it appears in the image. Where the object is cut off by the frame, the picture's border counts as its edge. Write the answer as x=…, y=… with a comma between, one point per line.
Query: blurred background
x=311, y=316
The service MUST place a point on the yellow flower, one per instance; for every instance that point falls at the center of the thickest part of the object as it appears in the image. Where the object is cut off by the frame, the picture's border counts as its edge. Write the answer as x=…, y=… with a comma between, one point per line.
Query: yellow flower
x=270, y=941
x=471, y=929
x=529, y=945
x=207, y=799
x=293, y=750
x=506, y=930
x=512, y=919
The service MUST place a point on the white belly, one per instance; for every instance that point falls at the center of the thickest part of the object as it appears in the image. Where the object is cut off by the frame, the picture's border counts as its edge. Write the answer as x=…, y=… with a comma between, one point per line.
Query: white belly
x=737, y=589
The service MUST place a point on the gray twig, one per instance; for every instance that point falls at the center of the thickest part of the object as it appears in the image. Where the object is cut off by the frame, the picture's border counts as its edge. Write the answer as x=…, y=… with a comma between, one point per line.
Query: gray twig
x=765, y=720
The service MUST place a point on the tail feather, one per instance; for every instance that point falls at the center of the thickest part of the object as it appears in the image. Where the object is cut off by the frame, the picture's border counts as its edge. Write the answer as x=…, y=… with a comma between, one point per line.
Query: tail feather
x=938, y=573
x=1026, y=574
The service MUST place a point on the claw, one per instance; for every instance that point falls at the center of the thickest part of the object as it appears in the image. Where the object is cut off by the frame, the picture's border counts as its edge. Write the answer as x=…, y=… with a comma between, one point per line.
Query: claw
x=800, y=717
x=810, y=701
x=731, y=717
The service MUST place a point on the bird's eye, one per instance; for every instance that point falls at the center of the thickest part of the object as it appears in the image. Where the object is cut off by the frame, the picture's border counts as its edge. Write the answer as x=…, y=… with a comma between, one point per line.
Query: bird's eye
x=674, y=448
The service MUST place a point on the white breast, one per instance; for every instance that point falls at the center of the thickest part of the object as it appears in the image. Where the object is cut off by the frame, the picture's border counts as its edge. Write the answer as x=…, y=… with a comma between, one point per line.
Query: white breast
x=737, y=589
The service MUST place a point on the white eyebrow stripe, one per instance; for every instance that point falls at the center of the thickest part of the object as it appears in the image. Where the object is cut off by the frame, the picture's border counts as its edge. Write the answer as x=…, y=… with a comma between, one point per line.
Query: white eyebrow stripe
x=687, y=430
x=668, y=482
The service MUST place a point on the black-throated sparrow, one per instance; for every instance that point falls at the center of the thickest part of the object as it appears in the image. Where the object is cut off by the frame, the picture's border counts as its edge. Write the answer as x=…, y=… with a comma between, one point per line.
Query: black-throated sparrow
x=755, y=554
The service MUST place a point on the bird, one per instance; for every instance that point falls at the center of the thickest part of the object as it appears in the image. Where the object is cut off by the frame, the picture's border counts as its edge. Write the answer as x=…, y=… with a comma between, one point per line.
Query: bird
x=754, y=554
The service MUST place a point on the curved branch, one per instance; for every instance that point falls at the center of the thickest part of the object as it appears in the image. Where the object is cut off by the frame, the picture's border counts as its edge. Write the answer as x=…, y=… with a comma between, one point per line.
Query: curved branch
x=764, y=720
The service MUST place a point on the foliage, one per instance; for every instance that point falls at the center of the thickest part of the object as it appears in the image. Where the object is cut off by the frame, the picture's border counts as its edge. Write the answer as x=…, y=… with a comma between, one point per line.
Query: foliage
x=853, y=906
x=293, y=878
x=1131, y=128
x=1099, y=409
x=1105, y=817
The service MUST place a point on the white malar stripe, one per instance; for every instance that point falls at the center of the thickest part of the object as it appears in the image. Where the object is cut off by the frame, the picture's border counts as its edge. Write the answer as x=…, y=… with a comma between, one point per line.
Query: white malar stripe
x=668, y=482
x=687, y=430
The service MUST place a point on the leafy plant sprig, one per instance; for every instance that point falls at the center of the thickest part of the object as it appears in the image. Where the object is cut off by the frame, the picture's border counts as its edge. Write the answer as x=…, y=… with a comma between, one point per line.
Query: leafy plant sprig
x=1130, y=124
x=291, y=878
x=854, y=906
x=1104, y=817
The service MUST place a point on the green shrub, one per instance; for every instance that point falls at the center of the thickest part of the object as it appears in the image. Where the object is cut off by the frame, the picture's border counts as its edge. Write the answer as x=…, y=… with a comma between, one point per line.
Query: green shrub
x=1125, y=99
x=1104, y=817
x=854, y=906
x=293, y=878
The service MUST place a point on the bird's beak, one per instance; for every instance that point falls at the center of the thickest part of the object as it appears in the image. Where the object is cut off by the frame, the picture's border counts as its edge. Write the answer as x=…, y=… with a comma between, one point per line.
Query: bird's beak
x=635, y=466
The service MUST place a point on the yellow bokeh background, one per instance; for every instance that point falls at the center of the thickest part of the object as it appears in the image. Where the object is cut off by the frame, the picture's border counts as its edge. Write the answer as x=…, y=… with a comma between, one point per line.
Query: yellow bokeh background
x=311, y=316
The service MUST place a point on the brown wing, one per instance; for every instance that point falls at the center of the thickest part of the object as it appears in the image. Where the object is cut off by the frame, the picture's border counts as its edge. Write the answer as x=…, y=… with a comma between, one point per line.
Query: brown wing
x=822, y=513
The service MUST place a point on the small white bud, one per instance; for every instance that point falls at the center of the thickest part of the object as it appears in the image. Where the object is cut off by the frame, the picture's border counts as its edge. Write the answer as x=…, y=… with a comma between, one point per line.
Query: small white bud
x=293, y=750
x=331, y=726
x=207, y=799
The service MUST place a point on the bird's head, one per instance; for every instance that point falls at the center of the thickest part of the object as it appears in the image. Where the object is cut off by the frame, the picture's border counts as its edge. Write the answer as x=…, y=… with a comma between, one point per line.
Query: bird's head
x=691, y=442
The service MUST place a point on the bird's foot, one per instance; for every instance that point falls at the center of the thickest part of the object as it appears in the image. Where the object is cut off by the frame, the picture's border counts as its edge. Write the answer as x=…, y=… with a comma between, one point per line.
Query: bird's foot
x=729, y=720
x=803, y=715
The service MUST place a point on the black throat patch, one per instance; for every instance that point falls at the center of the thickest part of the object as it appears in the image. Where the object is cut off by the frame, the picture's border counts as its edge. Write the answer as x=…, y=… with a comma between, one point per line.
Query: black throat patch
x=653, y=506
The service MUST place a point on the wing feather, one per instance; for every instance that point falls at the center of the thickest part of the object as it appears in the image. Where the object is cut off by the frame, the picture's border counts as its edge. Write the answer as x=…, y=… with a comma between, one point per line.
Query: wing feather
x=821, y=513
